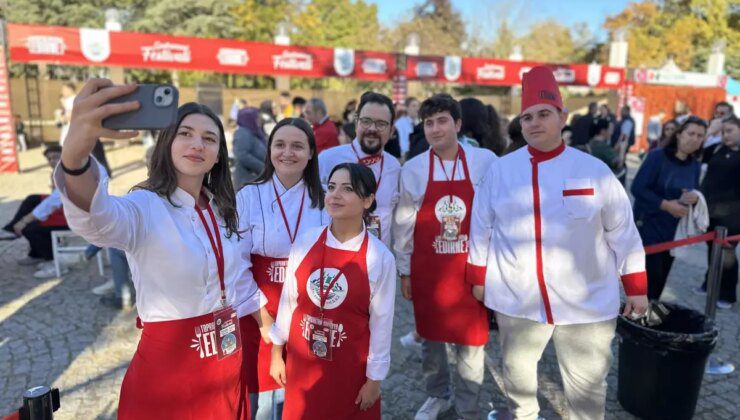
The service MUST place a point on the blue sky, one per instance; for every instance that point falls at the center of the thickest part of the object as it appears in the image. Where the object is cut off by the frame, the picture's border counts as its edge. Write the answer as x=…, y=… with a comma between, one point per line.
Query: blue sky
x=485, y=14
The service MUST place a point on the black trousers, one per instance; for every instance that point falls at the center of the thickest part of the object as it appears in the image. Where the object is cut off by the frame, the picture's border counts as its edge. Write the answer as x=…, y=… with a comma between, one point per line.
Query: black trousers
x=728, y=286
x=38, y=236
x=658, y=266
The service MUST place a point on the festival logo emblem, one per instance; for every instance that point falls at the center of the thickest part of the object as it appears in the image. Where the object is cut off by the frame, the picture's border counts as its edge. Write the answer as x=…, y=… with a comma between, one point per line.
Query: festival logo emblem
x=374, y=66
x=166, y=52
x=95, y=44
x=276, y=271
x=336, y=295
x=594, y=74
x=344, y=61
x=45, y=45
x=453, y=67
x=232, y=57
x=205, y=340
x=563, y=75
x=491, y=71
x=292, y=60
x=450, y=213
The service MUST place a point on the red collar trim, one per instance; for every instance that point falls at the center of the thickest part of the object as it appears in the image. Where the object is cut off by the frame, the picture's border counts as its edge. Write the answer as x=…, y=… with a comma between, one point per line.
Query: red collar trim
x=541, y=156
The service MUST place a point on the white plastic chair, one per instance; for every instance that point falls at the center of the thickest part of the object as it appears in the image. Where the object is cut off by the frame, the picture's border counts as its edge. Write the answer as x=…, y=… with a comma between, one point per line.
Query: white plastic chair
x=60, y=244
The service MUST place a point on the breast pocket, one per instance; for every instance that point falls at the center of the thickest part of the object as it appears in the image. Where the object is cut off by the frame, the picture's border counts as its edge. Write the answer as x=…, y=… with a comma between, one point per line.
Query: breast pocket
x=579, y=198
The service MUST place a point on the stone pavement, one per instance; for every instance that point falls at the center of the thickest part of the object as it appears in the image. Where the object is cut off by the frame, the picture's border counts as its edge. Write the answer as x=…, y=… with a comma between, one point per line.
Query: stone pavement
x=55, y=332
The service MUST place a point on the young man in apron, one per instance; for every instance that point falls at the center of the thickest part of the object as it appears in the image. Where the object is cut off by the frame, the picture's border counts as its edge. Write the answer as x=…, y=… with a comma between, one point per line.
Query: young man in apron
x=431, y=245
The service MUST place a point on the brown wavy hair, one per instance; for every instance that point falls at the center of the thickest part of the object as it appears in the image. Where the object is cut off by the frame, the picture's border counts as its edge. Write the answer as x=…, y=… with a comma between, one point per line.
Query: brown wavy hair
x=162, y=177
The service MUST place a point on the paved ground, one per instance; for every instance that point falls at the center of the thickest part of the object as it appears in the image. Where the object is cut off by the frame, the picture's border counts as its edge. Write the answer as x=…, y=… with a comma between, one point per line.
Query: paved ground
x=55, y=332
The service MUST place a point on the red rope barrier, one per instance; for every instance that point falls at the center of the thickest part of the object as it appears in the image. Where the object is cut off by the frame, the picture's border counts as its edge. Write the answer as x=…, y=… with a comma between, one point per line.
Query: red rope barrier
x=665, y=246
x=728, y=240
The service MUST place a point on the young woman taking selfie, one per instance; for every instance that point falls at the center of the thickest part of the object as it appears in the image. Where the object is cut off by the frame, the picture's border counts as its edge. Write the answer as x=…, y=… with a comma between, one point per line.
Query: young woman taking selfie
x=179, y=231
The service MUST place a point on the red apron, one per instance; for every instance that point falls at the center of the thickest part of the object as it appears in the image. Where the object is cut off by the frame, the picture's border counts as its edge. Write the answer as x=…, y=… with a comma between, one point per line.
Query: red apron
x=269, y=274
x=326, y=389
x=176, y=374
x=444, y=307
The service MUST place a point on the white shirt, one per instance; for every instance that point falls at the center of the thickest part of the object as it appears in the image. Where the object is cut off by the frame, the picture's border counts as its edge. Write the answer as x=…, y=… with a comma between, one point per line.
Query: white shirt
x=414, y=179
x=587, y=240
x=170, y=256
x=404, y=128
x=259, y=214
x=47, y=206
x=381, y=268
x=387, y=195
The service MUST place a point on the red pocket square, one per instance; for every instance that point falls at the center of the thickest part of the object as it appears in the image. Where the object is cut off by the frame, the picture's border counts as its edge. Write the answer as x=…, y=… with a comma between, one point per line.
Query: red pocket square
x=582, y=191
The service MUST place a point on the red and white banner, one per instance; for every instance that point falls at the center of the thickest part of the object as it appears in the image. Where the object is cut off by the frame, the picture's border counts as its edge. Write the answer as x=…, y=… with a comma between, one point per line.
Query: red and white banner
x=98, y=47
x=8, y=154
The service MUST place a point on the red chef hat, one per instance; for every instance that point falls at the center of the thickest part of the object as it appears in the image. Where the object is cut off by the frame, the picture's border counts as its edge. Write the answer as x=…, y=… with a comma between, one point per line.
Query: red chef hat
x=539, y=87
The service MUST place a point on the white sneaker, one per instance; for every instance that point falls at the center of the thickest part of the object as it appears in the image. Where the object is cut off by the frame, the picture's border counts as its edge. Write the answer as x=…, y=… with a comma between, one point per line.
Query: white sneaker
x=103, y=289
x=44, y=265
x=409, y=341
x=699, y=291
x=7, y=236
x=432, y=407
x=723, y=304
x=49, y=273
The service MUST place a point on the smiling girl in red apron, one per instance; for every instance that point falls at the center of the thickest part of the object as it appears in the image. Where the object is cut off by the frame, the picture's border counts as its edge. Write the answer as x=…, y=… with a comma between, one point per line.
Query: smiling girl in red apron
x=285, y=200
x=179, y=231
x=335, y=362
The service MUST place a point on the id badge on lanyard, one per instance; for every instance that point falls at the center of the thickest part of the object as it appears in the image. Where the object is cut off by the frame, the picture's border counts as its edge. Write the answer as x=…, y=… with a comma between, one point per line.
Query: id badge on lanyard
x=225, y=320
x=374, y=226
x=320, y=339
x=450, y=228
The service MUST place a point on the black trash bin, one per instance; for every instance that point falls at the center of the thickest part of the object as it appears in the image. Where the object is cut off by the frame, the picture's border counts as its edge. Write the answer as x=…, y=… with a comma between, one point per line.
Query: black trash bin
x=661, y=367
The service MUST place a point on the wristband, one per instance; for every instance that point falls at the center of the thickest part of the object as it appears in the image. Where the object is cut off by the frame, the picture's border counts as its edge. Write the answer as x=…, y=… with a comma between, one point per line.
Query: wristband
x=76, y=172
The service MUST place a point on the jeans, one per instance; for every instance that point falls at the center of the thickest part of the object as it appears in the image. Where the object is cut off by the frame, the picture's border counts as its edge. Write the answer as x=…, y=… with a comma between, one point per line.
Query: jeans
x=123, y=287
x=267, y=405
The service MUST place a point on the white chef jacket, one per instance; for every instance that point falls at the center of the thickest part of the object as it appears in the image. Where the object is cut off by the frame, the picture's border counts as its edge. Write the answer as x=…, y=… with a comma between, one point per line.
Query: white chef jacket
x=259, y=214
x=381, y=268
x=413, y=185
x=170, y=256
x=387, y=195
x=588, y=238
x=47, y=206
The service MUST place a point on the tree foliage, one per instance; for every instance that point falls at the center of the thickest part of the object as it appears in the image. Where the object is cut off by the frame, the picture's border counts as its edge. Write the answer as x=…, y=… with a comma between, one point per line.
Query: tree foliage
x=440, y=27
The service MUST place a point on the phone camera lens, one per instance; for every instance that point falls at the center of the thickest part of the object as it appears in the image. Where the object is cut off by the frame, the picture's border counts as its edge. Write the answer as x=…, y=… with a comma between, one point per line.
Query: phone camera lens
x=158, y=99
x=166, y=91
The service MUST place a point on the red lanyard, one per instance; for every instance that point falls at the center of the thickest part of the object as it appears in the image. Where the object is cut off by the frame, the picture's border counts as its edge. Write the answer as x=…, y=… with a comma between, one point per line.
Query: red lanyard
x=454, y=168
x=217, y=251
x=362, y=161
x=285, y=219
x=325, y=295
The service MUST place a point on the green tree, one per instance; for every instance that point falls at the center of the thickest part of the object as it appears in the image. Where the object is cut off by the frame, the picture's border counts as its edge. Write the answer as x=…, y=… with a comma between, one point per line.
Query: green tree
x=550, y=42
x=258, y=19
x=68, y=12
x=338, y=23
x=440, y=27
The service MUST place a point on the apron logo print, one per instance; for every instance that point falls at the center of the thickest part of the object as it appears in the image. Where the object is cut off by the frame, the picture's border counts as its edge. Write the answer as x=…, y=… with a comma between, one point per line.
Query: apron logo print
x=337, y=294
x=336, y=333
x=450, y=214
x=205, y=340
x=276, y=271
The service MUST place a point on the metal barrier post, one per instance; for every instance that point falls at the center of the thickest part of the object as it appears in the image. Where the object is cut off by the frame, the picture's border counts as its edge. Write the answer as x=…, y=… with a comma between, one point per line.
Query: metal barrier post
x=715, y=366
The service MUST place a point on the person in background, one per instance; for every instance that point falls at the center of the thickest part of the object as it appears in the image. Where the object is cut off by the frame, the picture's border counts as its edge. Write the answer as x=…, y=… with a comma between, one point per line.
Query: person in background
x=567, y=134
x=607, y=114
x=66, y=100
x=600, y=147
x=323, y=127
x=239, y=104
x=268, y=120
x=36, y=217
x=350, y=112
x=20, y=132
x=663, y=190
x=515, y=134
x=335, y=317
x=622, y=139
x=666, y=133
x=499, y=141
x=347, y=133
x=714, y=133
x=582, y=125
x=405, y=124
x=249, y=147
x=285, y=106
x=298, y=103
x=721, y=189
x=476, y=124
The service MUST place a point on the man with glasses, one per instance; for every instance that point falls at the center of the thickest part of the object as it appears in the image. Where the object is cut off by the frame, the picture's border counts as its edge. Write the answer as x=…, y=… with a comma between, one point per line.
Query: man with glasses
x=374, y=126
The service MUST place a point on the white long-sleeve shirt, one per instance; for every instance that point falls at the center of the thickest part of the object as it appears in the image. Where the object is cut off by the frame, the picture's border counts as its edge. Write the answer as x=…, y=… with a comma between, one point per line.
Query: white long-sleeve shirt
x=381, y=268
x=387, y=195
x=413, y=185
x=47, y=206
x=588, y=239
x=170, y=256
x=259, y=214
